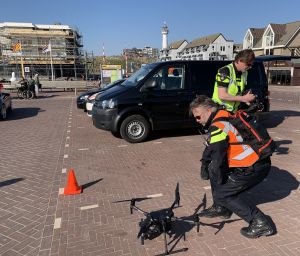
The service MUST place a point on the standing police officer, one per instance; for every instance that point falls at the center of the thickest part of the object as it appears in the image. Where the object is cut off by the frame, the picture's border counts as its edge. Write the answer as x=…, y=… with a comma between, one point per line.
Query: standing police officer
x=231, y=81
x=233, y=169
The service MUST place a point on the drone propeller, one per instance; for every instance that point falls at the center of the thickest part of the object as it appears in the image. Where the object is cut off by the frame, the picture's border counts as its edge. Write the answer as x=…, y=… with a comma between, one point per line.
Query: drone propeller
x=177, y=197
x=196, y=216
x=139, y=199
x=202, y=204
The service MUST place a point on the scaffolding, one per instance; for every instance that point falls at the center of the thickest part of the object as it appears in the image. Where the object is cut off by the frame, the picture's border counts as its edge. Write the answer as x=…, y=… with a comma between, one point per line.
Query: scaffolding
x=66, y=53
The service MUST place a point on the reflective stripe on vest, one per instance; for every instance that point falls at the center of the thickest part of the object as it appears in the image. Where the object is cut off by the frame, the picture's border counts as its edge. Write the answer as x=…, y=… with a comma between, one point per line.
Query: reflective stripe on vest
x=239, y=155
x=232, y=89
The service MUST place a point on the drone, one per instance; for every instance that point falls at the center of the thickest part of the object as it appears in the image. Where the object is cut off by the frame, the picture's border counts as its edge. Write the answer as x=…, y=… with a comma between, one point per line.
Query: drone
x=160, y=222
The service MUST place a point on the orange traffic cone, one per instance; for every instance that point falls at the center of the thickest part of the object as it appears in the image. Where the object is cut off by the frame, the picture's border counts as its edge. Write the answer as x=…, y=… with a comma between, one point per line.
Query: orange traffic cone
x=72, y=187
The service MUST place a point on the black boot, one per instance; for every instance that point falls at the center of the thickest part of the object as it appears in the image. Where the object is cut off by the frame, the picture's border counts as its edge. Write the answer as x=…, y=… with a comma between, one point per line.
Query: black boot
x=216, y=211
x=259, y=226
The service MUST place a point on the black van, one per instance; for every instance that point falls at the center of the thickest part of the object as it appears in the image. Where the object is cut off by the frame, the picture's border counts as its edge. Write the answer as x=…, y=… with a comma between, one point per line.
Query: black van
x=158, y=95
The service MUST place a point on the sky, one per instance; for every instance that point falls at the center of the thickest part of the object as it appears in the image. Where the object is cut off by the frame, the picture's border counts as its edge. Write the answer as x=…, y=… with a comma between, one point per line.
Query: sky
x=119, y=24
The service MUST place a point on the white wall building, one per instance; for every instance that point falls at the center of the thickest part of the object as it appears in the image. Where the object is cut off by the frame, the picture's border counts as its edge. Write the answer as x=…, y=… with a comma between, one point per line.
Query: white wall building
x=174, y=50
x=212, y=47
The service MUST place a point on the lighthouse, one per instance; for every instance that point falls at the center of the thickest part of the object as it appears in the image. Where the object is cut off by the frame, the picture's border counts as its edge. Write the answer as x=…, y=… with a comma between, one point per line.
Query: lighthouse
x=164, y=32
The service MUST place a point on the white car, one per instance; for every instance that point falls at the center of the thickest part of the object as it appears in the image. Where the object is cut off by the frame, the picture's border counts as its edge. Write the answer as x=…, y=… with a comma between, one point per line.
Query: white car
x=89, y=104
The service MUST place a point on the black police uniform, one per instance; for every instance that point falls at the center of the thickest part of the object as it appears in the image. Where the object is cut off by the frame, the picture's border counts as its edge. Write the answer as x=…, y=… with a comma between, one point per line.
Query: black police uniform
x=228, y=184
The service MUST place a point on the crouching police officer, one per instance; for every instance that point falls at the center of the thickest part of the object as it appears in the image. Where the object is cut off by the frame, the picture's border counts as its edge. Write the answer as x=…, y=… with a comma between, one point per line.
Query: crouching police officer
x=233, y=169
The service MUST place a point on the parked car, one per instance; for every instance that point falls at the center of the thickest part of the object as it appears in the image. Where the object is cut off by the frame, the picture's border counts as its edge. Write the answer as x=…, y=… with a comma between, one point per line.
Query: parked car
x=158, y=95
x=90, y=102
x=5, y=103
x=82, y=98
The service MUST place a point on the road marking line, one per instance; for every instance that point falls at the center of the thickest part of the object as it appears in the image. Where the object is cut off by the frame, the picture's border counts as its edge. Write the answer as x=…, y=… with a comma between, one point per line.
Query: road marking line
x=61, y=191
x=89, y=207
x=207, y=187
x=68, y=131
x=67, y=145
x=289, y=100
x=122, y=146
x=271, y=132
x=82, y=149
x=69, y=122
x=278, y=138
x=157, y=142
x=80, y=127
x=296, y=130
x=68, y=137
x=66, y=156
x=64, y=170
x=187, y=140
x=57, y=223
x=70, y=126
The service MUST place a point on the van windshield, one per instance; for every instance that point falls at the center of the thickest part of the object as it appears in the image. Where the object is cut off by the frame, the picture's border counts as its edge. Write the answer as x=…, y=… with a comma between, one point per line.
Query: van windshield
x=139, y=75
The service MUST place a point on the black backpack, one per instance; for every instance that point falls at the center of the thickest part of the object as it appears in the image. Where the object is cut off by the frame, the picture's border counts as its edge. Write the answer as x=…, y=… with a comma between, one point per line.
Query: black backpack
x=252, y=132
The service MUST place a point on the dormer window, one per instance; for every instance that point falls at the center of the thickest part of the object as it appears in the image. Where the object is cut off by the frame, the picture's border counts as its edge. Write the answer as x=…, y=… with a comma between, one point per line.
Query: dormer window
x=248, y=42
x=268, y=37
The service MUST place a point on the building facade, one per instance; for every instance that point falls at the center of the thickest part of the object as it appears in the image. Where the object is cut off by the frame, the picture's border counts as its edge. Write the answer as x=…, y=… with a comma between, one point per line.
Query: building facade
x=147, y=52
x=37, y=46
x=212, y=47
x=173, y=51
x=277, y=39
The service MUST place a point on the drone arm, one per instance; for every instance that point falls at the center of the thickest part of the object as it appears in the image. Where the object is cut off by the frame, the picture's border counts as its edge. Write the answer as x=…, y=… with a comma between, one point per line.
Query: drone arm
x=139, y=210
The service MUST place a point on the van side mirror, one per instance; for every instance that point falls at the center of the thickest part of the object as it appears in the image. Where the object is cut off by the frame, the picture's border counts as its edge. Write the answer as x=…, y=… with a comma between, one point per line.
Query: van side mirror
x=149, y=84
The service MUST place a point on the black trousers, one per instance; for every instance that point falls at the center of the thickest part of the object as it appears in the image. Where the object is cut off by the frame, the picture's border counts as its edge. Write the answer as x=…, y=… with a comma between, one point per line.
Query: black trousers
x=239, y=181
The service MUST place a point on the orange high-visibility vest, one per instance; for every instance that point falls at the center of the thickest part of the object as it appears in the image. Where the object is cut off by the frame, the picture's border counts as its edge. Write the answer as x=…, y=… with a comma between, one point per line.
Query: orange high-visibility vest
x=239, y=155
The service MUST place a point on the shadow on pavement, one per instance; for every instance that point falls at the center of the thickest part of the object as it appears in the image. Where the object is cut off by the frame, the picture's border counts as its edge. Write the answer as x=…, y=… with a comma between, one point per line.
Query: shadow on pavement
x=21, y=113
x=46, y=96
x=10, y=182
x=278, y=185
x=282, y=150
x=86, y=185
x=173, y=133
x=276, y=117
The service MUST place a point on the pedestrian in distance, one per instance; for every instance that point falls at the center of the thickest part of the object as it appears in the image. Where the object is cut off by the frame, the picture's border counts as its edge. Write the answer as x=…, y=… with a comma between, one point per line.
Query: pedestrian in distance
x=231, y=81
x=232, y=168
x=31, y=86
x=36, y=84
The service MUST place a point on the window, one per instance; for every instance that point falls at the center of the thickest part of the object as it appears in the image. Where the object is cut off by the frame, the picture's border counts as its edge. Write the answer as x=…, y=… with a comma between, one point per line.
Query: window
x=169, y=78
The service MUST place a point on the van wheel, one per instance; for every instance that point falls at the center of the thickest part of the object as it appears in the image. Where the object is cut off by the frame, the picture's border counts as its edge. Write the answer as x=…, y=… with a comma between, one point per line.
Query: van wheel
x=135, y=129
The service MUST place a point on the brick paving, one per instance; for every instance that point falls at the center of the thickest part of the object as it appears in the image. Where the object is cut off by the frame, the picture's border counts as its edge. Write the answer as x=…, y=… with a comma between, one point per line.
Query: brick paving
x=44, y=137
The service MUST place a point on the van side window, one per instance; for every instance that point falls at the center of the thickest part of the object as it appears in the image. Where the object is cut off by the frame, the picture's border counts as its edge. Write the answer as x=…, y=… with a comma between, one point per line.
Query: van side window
x=169, y=78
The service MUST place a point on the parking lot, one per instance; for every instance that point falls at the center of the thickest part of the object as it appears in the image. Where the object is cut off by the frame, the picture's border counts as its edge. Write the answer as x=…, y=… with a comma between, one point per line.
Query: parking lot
x=44, y=138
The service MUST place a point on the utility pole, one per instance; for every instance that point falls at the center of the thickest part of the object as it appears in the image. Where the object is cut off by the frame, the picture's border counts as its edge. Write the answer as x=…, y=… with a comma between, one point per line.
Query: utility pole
x=86, y=72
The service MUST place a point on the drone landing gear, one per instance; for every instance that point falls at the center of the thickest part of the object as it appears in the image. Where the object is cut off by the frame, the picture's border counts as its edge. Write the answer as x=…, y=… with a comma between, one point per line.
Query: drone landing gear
x=165, y=237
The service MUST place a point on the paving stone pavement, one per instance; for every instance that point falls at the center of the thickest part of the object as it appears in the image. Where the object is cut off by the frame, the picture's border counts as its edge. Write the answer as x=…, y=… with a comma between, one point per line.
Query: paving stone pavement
x=46, y=137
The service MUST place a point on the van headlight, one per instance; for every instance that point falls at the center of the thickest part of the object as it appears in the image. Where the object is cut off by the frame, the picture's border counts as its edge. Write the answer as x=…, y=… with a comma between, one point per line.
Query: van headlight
x=84, y=97
x=108, y=104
